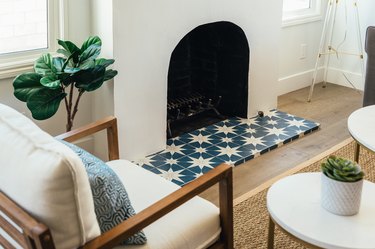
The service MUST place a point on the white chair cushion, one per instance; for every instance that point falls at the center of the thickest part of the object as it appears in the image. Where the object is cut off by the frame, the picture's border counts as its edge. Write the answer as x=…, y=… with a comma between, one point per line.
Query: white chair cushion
x=47, y=179
x=195, y=224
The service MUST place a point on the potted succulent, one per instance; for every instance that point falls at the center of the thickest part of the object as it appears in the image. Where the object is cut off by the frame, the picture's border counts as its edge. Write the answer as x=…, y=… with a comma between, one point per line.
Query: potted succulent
x=67, y=77
x=342, y=182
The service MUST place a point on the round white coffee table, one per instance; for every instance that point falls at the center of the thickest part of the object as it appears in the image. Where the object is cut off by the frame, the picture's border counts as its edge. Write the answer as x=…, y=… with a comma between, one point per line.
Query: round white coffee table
x=361, y=125
x=294, y=205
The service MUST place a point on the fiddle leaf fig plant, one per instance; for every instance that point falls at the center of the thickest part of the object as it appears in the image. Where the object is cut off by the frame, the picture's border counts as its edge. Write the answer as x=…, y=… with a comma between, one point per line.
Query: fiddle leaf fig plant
x=55, y=79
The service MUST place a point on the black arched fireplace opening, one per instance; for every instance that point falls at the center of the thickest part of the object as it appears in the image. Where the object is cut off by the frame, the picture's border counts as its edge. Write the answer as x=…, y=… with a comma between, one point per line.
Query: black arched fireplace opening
x=208, y=77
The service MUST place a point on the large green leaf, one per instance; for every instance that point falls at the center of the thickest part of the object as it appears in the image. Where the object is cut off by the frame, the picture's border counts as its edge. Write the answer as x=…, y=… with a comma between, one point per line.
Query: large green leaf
x=90, y=53
x=109, y=74
x=63, y=52
x=44, y=103
x=71, y=51
x=72, y=70
x=50, y=81
x=70, y=48
x=66, y=78
x=58, y=63
x=43, y=65
x=87, y=64
x=26, y=84
x=92, y=40
x=90, y=79
x=104, y=62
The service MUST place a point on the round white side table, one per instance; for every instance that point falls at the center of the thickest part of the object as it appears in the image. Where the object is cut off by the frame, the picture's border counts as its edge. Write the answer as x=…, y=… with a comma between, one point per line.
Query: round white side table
x=361, y=125
x=294, y=205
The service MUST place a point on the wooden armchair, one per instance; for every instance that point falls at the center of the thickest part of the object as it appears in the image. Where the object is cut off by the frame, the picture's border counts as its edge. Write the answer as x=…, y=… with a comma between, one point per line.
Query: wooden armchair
x=30, y=233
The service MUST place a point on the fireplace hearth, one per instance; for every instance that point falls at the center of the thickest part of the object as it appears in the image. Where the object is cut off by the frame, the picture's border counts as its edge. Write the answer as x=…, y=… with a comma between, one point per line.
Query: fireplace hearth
x=207, y=77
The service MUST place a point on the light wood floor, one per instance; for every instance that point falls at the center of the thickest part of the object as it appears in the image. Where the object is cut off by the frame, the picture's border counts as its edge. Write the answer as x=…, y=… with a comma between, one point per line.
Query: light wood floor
x=330, y=106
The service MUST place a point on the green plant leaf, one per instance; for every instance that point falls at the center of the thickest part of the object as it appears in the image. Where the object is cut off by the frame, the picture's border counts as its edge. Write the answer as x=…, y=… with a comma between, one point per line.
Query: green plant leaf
x=58, y=63
x=92, y=40
x=90, y=53
x=109, y=74
x=66, y=78
x=70, y=48
x=45, y=102
x=50, y=81
x=90, y=79
x=25, y=85
x=63, y=52
x=43, y=65
x=104, y=62
x=72, y=70
x=87, y=64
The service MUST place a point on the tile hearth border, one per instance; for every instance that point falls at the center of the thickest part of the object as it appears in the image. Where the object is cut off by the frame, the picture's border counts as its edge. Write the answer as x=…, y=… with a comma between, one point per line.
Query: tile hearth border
x=233, y=141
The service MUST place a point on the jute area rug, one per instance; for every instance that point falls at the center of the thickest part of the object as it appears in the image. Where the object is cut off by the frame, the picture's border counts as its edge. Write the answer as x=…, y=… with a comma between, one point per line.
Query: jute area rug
x=250, y=211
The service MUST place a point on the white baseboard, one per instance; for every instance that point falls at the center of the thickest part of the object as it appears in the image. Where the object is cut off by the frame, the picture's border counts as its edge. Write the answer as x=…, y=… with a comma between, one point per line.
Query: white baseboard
x=297, y=81
x=335, y=76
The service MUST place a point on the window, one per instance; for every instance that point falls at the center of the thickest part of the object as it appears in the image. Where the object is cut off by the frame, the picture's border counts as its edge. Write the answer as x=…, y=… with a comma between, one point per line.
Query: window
x=301, y=11
x=296, y=5
x=28, y=28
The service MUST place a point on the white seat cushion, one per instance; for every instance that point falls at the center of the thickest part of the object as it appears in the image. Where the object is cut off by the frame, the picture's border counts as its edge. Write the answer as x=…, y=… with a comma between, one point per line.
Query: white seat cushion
x=47, y=179
x=195, y=224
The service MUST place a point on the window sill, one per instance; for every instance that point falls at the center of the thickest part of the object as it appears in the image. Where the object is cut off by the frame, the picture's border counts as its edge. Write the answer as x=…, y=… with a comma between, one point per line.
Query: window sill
x=298, y=20
x=14, y=67
x=11, y=70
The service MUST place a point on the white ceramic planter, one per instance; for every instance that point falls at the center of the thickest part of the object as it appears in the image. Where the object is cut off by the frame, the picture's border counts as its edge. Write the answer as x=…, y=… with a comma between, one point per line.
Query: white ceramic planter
x=341, y=198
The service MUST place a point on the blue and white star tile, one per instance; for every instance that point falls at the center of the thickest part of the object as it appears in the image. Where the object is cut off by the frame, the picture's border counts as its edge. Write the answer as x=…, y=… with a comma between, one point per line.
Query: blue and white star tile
x=232, y=141
x=254, y=139
x=199, y=162
x=272, y=114
x=180, y=177
x=234, y=121
x=283, y=115
x=198, y=139
x=222, y=129
x=170, y=167
x=225, y=154
x=179, y=148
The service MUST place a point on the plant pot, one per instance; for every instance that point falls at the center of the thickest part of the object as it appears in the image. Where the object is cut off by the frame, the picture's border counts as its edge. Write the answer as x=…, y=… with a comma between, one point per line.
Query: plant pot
x=341, y=198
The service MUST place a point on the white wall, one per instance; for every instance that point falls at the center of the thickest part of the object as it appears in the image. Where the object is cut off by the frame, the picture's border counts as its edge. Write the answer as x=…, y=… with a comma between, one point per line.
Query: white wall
x=295, y=71
x=350, y=65
x=145, y=34
x=78, y=30
x=102, y=102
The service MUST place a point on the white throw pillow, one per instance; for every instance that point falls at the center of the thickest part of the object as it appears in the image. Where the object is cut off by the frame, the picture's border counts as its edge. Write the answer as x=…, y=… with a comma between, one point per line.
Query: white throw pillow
x=47, y=179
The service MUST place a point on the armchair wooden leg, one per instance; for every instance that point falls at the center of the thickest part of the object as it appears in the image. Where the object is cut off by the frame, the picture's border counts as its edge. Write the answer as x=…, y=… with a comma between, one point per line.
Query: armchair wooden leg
x=226, y=210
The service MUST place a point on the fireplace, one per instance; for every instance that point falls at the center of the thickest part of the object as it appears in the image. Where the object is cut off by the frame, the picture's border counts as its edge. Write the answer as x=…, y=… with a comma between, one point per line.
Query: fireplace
x=207, y=77
x=145, y=34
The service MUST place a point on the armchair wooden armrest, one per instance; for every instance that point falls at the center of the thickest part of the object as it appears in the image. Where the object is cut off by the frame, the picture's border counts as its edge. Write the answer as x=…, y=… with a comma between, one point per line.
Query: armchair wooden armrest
x=108, y=123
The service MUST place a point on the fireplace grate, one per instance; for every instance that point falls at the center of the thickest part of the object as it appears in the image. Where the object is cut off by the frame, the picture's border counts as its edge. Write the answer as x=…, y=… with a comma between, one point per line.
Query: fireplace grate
x=182, y=108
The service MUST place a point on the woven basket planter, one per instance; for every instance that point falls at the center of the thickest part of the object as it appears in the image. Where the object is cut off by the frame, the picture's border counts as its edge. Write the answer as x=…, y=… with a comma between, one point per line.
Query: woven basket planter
x=341, y=198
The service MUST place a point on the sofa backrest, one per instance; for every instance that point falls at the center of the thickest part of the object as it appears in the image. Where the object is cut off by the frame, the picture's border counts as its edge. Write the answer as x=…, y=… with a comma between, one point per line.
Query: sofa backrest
x=47, y=179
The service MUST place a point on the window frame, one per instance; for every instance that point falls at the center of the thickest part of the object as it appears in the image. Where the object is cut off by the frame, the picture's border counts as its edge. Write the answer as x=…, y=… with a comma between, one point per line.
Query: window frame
x=16, y=63
x=312, y=14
